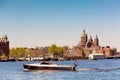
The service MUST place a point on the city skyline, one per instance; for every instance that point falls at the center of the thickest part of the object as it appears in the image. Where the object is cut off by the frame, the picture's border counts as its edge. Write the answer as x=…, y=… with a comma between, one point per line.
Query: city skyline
x=44, y=22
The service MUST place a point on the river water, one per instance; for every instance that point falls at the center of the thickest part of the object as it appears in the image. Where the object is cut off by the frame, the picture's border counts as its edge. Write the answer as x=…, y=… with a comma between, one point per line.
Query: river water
x=86, y=70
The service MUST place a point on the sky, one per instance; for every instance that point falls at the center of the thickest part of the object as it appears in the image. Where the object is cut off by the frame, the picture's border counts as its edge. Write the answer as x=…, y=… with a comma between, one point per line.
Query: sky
x=31, y=23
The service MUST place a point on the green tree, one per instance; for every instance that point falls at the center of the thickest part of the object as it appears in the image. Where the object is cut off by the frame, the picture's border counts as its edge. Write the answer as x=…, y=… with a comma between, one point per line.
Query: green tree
x=53, y=49
x=60, y=51
x=56, y=50
x=13, y=52
x=19, y=52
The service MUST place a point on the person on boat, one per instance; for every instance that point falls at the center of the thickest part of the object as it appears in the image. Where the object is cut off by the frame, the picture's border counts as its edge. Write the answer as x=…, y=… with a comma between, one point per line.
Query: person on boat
x=75, y=63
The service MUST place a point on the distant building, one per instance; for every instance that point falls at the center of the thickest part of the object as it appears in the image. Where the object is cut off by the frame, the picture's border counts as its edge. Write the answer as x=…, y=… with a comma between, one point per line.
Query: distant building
x=4, y=46
x=86, y=46
x=38, y=51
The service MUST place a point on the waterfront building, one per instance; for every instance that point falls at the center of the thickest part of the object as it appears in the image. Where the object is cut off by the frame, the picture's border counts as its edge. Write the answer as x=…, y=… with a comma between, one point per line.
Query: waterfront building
x=87, y=45
x=4, y=46
x=38, y=51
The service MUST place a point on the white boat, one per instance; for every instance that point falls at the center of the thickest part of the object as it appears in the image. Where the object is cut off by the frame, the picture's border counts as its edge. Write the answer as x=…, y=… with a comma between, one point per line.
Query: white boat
x=48, y=66
x=96, y=56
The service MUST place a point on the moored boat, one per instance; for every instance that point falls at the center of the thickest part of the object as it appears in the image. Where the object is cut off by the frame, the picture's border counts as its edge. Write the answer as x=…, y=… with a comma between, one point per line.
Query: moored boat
x=48, y=66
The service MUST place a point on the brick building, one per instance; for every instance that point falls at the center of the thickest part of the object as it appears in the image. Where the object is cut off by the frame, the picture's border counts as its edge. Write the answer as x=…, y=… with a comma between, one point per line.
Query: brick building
x=4, y=46
x=87, y=45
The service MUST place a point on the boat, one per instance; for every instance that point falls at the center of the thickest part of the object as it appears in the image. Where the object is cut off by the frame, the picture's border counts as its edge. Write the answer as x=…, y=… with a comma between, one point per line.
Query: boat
x=45, y=65
x=96, y=56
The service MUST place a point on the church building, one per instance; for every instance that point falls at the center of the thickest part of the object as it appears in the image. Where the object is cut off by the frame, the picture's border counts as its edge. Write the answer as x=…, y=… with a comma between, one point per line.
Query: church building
x=4, y=46
x=87, y=46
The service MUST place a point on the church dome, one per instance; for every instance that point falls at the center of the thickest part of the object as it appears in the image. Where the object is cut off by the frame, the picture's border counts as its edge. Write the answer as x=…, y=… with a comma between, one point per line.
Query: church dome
x=4, y=37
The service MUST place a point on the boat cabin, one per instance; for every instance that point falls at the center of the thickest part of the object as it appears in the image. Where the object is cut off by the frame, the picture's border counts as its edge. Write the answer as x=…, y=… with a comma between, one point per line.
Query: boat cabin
x=46, y=63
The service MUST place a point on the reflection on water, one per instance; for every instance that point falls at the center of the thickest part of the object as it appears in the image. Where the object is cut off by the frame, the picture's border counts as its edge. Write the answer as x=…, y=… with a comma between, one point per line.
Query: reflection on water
x=86, y=70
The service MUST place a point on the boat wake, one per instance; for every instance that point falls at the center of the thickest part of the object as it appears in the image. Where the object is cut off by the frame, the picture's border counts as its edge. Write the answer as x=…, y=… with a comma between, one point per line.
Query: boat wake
x=84, y=69
x=98, y=69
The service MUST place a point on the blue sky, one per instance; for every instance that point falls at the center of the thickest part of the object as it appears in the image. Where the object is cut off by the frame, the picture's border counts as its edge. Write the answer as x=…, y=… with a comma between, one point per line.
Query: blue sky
x=30, y=23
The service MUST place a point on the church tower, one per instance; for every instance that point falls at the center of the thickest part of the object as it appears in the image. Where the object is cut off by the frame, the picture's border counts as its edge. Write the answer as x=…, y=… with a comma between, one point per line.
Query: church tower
x=4, y=46
x=83, y=39
x=89, y=43
x=96, y=41
x=91, y=40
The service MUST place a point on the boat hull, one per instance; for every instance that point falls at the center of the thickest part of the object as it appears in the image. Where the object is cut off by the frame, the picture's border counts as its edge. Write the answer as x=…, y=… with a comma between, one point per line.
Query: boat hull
x=63, y=68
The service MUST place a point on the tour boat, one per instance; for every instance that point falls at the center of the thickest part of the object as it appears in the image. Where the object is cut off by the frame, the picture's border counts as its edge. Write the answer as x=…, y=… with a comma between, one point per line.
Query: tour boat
x=48, y=66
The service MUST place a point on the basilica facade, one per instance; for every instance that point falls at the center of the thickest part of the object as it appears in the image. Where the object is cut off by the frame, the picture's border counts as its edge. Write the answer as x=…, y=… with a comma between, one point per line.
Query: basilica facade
x=88, y=45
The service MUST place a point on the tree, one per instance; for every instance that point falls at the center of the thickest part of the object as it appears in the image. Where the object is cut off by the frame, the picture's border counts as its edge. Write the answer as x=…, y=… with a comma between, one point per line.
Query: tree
x=13, y=52
x=19, y=52
x=60, y=51
x=56, y=50
x=53, y=49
